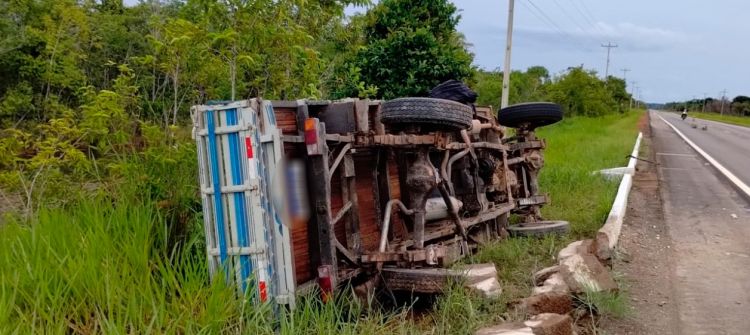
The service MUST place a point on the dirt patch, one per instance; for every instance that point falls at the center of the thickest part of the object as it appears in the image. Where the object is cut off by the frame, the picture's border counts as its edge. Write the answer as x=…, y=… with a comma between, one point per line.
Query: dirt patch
x=645, y=254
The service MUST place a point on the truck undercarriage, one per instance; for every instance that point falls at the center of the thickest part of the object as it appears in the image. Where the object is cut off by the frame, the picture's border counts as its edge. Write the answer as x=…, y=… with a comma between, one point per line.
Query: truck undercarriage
x=364, y=192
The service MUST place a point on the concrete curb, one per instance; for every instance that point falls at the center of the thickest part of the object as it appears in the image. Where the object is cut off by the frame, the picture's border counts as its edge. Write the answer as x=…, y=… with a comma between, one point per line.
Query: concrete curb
x=728, y=174
x=610, y=233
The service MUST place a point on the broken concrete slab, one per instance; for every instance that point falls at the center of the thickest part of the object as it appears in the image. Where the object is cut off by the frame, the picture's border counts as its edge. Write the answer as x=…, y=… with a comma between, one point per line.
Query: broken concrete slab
x=542, y=275
x=555, y=283
x=584, y=272
x=542, y=324
x=615, y=173
x=482, y=278
x=577, y=247
x=515, y=328
x=488, y=288
x=549, y=302
x=602, y=251
x=551, y=324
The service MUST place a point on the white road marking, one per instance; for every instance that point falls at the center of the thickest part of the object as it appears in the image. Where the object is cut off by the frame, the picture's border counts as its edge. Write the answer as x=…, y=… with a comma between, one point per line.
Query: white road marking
x=732, y=178
x=672, y=154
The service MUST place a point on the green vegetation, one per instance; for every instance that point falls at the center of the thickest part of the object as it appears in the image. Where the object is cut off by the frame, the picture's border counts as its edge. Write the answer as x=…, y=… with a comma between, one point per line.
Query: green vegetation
x=580, y=92
x=67, y=276
x=411, y=47
x=101, y=222
x=731, y=119
x=577, y=147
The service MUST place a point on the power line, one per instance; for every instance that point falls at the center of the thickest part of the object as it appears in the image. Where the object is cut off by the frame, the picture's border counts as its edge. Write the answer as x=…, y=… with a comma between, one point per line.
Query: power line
x=540, y=14
x=590, y=19
x=588, y=12
x=569, y=16
x=609, y=47
x=582, y=14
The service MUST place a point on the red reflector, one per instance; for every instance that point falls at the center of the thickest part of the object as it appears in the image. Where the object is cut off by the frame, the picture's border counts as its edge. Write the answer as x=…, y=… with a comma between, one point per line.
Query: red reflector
x=311, y=132
x=249, y=147
x=325, y=282
x=263, y=291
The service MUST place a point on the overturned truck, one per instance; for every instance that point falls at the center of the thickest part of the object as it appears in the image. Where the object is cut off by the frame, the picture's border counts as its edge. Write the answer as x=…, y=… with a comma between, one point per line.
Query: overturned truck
x=308, y=194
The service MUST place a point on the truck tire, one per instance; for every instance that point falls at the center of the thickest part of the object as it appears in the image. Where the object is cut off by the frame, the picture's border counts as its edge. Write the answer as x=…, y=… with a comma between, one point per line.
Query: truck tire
x=536, y=114
x=539, y=229
x=439, y=112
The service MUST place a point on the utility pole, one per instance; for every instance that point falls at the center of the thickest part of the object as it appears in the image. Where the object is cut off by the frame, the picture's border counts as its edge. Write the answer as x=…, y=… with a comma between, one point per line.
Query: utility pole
x=703, y=109
x=723, y=93
x=638, y=90
x=632, y=93
x=625, y=74
x=609, y=47
x=506, y=67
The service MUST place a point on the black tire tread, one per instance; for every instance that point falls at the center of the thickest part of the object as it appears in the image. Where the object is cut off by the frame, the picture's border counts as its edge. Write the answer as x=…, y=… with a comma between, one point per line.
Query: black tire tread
x=536, y=114
x=539, y=229
x=427, y=111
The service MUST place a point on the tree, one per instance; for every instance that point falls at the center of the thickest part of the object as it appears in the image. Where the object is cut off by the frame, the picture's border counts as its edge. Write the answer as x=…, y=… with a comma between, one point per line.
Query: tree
x=581, y=92
x=525, y=86
x=412, y=45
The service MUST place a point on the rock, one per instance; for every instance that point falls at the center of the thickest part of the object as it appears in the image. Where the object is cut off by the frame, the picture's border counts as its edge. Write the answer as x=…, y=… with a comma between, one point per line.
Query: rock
x=577, y=247
x=516, y=328
x=481, y=278
x=542, y=324
x=489, y=288
x=550, y=302
x=601, y=248
x=542, y=275
x=584, y=272
x=555, y=283
x=551, y=324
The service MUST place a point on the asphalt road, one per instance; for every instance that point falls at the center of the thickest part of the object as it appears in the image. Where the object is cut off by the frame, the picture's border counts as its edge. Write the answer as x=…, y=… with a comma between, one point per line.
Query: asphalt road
x=708, y=223
x=728, y=144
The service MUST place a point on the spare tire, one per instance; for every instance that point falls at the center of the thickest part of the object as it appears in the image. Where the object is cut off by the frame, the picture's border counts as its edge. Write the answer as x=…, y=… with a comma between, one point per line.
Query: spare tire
x=454, y=90
x=535, y=114
x=539, y=229
x=430, y=111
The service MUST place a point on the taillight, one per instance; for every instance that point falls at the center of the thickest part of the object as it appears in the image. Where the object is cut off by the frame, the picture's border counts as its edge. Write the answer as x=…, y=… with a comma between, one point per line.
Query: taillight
x=249, y=147
x=263, y=291
x=311, y=136
x=325, y=282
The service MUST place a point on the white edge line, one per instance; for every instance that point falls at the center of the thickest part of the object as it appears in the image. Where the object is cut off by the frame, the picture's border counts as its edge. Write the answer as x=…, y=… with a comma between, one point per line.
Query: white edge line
x=732, y=178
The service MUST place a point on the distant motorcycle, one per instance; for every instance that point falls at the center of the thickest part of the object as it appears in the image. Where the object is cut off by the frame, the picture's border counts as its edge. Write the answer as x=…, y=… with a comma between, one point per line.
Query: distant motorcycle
x=684, y=116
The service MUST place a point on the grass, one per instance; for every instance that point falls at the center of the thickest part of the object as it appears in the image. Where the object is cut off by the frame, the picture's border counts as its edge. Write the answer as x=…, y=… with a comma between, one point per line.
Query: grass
x=100, y=268
x=108, y=266
x=575, y=148
x=731, y=119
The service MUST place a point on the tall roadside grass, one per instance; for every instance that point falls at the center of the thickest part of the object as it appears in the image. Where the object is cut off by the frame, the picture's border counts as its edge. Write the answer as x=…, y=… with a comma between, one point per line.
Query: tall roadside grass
x=731, y=119
x=103, y=268
x=577, y=147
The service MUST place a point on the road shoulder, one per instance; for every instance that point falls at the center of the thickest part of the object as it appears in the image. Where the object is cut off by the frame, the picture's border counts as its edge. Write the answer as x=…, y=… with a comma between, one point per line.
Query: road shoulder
x=644, y=262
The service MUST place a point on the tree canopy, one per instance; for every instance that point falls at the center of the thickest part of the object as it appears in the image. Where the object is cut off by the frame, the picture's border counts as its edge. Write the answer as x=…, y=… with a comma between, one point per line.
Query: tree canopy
x=411, y=46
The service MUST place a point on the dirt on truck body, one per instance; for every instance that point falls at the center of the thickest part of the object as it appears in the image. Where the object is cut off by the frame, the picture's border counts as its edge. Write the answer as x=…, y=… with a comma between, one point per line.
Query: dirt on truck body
x=322, y=193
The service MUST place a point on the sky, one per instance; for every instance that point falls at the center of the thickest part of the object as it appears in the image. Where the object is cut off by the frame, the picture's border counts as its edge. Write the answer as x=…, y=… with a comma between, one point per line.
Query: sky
x=675, y=49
